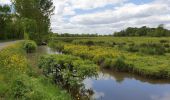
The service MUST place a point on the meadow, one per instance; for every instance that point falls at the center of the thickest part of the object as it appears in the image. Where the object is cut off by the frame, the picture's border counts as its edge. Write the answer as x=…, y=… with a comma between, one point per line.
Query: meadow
x=145, y=56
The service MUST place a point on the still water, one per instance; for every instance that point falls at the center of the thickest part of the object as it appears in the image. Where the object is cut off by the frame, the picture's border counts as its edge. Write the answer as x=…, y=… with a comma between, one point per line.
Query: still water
x=111, y=85
x=123, y=86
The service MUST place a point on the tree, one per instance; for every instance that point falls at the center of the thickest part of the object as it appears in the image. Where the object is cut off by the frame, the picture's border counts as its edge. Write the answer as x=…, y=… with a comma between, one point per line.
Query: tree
x=4, y=19
x=38, y=12
x=144, y=31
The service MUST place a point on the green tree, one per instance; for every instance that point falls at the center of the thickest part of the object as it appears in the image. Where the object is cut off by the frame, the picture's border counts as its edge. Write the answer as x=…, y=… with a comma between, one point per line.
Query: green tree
x=38, y=12
x=4, y=19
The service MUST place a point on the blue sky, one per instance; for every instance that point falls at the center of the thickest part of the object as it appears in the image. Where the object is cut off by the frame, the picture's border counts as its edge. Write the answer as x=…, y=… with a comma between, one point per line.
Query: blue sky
x=107, y=16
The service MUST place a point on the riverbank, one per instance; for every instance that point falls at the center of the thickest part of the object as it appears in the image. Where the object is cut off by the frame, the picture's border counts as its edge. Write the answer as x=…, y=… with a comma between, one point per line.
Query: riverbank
x=148, y=57
x=19, y=80
x=109, y=85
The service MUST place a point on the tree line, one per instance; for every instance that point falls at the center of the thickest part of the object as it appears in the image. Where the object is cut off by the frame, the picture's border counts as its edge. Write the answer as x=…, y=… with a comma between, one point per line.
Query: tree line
x=29, y=19
x=76, y=35
x=160, y=31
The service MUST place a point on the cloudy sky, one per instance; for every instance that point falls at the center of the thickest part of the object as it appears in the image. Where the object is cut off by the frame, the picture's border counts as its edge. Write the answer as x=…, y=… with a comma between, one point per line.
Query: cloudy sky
x=107, y=16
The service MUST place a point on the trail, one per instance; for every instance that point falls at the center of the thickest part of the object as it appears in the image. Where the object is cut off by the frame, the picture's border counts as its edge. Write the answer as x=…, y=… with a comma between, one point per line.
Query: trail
x=5, y=44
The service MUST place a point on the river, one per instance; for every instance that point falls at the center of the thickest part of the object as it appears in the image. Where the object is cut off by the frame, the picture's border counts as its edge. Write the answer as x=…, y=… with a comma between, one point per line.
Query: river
x=110, y=85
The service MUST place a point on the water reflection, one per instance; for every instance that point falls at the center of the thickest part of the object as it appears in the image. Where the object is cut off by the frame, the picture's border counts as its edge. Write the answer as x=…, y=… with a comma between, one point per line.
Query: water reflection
x=124, y=86
x=166, y=96
x=111, y=85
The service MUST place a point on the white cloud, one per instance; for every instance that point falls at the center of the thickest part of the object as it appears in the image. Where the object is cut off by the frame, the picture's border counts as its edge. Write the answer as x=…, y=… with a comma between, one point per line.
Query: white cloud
x=89, y=4
x=2, y=2
x=125, y=12
x=123, y=15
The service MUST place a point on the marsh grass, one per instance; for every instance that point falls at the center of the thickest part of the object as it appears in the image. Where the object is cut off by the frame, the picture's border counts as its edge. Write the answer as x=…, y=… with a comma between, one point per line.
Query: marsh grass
x=144, y=56
x=17, y=84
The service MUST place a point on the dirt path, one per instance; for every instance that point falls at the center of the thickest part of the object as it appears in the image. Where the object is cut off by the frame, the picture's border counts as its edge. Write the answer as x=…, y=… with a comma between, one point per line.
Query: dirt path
x=4, y=44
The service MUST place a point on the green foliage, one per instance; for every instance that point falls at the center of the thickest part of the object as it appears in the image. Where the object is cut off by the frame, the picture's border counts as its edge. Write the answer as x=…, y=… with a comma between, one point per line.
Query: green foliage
x=30, y=20
x=66, y=69
x=36, y=17
x=160, y=31
x=29, y=46
x=133, y=48
x=144, y=56
x=56, y=45
x=120, y=64
x=152, y=48
x=17, y=84
x=19, y=89
x=9, y=28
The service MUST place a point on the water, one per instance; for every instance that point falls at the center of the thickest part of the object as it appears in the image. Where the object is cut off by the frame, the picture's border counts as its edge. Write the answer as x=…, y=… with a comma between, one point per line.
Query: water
x=120, y=86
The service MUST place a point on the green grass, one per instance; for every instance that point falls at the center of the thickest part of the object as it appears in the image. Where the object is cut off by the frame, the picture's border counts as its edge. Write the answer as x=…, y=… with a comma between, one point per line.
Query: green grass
x=150, y=61
x=17, y=82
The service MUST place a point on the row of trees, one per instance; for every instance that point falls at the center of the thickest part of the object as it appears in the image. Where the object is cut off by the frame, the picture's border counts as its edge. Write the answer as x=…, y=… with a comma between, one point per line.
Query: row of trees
x=144, y=31
x=31, y=19
x=76, y=35
x=9, y=28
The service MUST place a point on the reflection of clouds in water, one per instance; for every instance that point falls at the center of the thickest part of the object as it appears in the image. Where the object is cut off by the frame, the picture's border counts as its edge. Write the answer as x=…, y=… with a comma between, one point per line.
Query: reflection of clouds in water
x=98, y=95
x=164, y=97
x=103, y=76
x=88, y=83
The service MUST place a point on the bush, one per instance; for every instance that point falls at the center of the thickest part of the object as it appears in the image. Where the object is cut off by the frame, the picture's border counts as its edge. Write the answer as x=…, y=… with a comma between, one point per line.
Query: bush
x=30, y=46
x=19, y=89
x=107, y=63
x=120, y=64
x=66, y=69
x=163, y=41
x=133, y=48
x=166, y=45
x=152, y=48
x=89, y=43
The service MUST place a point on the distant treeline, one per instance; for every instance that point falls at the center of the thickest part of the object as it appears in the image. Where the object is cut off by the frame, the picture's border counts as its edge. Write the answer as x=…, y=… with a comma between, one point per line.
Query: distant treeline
x=76, y=35
x=160, y=31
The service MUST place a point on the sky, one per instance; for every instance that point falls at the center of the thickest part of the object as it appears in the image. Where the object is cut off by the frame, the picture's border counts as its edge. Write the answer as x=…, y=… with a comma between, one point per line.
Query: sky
x=107, y=16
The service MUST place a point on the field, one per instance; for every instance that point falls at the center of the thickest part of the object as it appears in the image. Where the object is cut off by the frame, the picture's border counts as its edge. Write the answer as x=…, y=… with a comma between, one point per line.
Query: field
x=144, y=56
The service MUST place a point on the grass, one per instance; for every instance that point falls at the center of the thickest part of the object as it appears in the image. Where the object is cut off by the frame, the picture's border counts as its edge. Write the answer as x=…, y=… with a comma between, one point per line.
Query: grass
x=17, y=82
x=150, y=61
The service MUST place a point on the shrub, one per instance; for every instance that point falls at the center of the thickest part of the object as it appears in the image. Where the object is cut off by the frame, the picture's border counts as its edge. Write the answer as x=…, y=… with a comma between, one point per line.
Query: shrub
x=30, y=46
x=163, y=41
x=66, y=69
x=120, y=65
x=152, y=48
x=133, y=48
x=166, y=45
x=107, y=63
x=19, y=89
x=99, y=59
x=121, y=45
x=89, y=43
